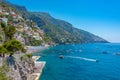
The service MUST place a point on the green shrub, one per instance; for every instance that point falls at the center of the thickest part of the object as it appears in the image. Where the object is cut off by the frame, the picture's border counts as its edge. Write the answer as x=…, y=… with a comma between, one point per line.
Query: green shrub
x=26, y=56
x=3, y=70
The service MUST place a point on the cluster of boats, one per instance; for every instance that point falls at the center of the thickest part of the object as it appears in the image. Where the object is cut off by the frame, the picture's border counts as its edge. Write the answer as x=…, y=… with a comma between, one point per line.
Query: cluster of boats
x=104, y=52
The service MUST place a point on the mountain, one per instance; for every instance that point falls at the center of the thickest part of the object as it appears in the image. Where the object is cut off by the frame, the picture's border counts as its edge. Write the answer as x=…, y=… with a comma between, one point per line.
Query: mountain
x=60, y=31
x=64, y=32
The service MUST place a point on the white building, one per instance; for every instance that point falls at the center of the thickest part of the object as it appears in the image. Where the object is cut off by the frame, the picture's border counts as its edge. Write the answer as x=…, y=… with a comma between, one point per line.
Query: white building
x=4, y=20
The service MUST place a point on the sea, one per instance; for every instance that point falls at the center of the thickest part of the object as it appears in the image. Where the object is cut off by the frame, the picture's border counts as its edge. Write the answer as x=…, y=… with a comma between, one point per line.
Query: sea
x=93, y=61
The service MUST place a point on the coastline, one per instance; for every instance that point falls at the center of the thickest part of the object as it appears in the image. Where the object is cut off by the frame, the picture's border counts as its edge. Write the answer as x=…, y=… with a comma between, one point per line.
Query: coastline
x=39, y=65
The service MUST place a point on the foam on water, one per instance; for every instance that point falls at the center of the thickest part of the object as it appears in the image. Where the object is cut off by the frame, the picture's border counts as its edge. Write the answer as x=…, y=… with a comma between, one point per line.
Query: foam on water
x=82, y=58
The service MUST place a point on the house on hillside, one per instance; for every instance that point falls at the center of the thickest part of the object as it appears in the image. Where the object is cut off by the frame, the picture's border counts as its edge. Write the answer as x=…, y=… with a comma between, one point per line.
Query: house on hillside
x=3, y=14
x=20, y=18
x=26, y=28
x=6, y=13
x=37, y=36
x=20, y=28
x=14, y=15
x=4, y=20
x=19, y=38
x=29, y=33
x=0, y=11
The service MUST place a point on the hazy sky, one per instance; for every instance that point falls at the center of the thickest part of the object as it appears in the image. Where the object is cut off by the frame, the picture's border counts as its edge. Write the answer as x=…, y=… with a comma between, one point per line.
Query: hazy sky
x=101, y=17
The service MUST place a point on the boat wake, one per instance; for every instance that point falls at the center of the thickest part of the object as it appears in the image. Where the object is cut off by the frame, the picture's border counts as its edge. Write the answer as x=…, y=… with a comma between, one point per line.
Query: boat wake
x=82, y=58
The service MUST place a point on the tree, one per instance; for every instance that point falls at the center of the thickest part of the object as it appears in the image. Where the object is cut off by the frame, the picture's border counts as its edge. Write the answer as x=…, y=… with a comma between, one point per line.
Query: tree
x=27, y=57
x=0, y=37
x=3, y=51
x=13, y=45
x=11, y=31
x=3, y=70
x=3, y=25
x=8, y=30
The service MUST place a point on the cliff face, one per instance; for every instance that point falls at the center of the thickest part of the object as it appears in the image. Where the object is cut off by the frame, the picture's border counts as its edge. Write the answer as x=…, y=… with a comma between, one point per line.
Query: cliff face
x=22, y=70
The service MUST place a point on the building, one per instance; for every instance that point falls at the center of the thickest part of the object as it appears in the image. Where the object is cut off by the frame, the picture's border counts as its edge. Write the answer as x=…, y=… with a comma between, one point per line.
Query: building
x=4, y=20
x=14, y=15
x=20, y=28
x=19, y=38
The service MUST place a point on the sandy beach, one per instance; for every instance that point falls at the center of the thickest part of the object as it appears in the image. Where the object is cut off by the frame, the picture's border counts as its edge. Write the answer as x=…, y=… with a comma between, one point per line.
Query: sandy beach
x=34, y=49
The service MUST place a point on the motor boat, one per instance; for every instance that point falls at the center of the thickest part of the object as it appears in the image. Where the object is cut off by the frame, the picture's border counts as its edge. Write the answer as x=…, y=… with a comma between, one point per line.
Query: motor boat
x=61, y=56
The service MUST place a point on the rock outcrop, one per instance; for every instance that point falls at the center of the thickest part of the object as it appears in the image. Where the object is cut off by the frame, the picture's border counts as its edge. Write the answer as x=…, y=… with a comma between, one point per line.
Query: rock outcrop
x=21, y=70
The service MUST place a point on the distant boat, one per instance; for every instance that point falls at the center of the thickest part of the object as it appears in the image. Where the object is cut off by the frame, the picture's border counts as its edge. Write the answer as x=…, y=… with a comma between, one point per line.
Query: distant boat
x=61, y=56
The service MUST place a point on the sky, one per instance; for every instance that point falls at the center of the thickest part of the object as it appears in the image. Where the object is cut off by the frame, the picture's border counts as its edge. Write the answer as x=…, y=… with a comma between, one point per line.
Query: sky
x=100, y=17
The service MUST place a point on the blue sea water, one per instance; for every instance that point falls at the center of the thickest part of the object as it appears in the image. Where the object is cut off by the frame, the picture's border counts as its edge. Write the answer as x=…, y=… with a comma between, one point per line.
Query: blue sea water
x=79, y=64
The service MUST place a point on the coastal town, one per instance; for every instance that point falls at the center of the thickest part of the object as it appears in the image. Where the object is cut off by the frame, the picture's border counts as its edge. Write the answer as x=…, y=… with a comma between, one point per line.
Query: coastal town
x=24, y=38
x=27, y=27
